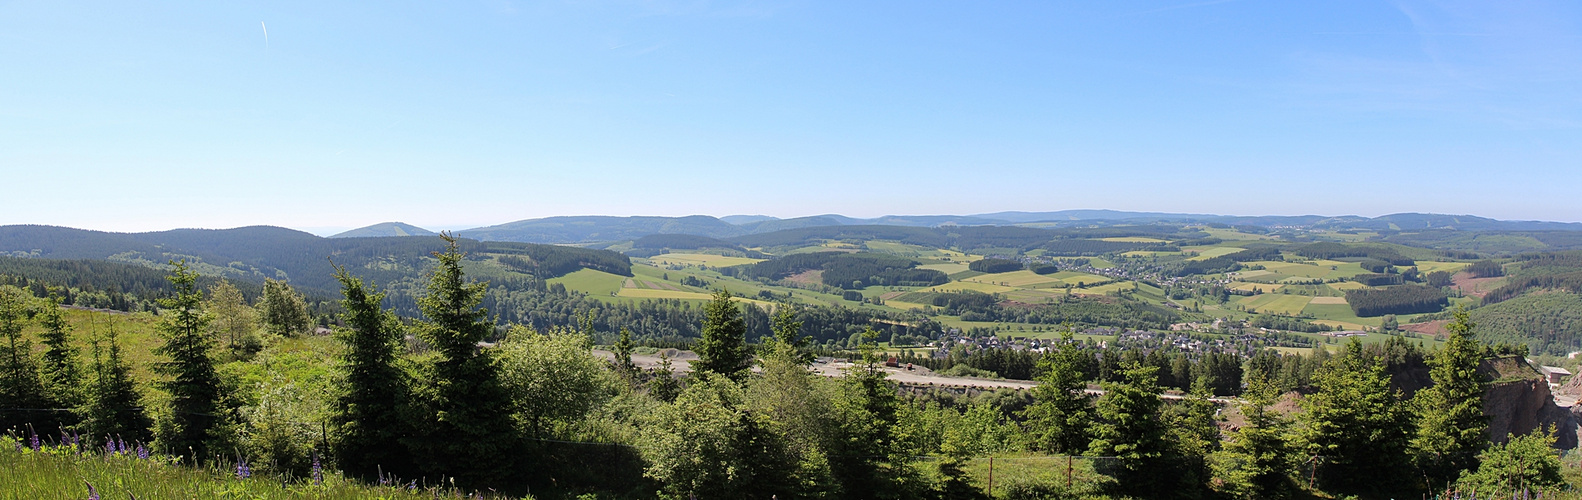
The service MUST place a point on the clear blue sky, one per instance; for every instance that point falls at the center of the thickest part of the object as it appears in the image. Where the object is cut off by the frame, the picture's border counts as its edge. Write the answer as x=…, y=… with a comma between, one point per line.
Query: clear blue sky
x=135, y=116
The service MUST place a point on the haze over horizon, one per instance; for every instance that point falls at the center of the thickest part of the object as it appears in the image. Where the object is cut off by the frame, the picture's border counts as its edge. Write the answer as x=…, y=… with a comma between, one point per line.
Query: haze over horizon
x=139, y=118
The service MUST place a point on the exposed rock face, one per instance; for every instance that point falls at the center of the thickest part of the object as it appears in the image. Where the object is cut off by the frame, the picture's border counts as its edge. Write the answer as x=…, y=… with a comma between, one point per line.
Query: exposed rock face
x=1518, y=401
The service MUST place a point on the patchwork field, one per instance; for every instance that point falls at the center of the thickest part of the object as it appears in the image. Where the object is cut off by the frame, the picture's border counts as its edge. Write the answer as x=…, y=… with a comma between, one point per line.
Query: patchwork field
x=1204, y=253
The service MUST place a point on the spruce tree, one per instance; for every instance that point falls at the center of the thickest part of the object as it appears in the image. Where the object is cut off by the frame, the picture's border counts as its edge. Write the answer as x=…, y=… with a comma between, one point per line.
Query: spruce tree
x=113, y=407
x=1129, y=427
x=1452, y=428
x=723, y=347
x=470, y=434
x=368, y=413
x=1355, y=427
x=20, y=387
x=62, y=376
x=191, y=382
x=870, y=454
x=623, y=355
x=1257, y=458
x=1057, y=421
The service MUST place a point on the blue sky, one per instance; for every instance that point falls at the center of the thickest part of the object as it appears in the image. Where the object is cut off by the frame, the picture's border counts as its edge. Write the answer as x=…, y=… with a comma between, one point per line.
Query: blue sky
x=457, y=114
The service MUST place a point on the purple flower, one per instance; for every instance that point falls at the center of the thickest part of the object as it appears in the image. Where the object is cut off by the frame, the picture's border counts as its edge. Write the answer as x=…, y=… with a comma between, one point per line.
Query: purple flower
x=242, y=470
x=92, y=493
x=33, y=442
x=120, y=446
x=109, y=445
x=142, y=452
x=412, y=486
x=318, y=471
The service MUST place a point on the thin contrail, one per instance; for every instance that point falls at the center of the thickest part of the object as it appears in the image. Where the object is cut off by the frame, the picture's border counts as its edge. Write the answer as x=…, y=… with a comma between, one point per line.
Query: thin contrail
x=266, y=34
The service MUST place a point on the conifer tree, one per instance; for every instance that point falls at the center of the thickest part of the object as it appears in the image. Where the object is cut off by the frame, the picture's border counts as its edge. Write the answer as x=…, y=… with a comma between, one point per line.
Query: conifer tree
x=470, y=436
x=869, y=458
x=368, y=414
x=723, y=346
x=786, y=337
x=62, y=376
x=20, y=387
x=1057, y=421
x=192, y=384
x=1355, y=427
x=1257, y=458
x=623, y=355
x=1452, y=428
x=1129, y=427
x=663, y=385
x=113, y=406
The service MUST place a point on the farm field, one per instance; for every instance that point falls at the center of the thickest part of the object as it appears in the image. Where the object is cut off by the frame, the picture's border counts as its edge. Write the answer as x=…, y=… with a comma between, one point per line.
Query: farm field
x=945, y=267
x=595, y=283
x=1023, y=279
x=1289, y=305
x=700, y=259
x=1428, y=266
x=1205, y=253
x=1134, y=239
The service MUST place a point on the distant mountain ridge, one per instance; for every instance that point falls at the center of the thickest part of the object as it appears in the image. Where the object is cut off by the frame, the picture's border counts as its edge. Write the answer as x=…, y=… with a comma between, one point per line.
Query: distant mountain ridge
x=598, y=229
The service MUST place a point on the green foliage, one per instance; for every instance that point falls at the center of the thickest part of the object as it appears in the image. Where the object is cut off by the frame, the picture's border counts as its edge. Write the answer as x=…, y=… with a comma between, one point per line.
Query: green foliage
x=1550, y=323
x=234, y=320
x=20, y=387
x=60, y=369
x=1057, y=421
x=368, y=413
x=1404, y=299
x=283, y=311
x=194, y=420
x=708, y=444
x=554, y=380
x=846, y=270
x=723, y=346
x=113, y=406
x=1257, y=459
x=1452, y=428
x=1526, y=464
x=992, y=265
x=1356, y=427
x=869, y=454
x=468, y=430
x=1130, y=427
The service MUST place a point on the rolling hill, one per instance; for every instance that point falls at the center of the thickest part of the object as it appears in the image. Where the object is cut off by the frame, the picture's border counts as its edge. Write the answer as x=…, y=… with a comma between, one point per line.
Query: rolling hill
x=385, y=229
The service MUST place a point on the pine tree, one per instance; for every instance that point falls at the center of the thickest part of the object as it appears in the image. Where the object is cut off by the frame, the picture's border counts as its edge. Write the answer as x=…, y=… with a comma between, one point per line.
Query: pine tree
x=663, y=385
x=787, y=340
x=723, y=346
x=1057, y=421
x=62, y=376
x=20, y=387
x=192, y=384
x=471, y=434
x=113, y=407
x=368, y=414
x=1452, y=429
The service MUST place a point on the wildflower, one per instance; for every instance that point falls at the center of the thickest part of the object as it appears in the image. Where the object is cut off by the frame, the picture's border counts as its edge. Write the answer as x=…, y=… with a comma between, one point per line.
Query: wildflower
x=142, y=452
x=92, y=493
x=242, y=470
x=120, y=445
x=109, y=445
x=318, y=471
x=33, y=442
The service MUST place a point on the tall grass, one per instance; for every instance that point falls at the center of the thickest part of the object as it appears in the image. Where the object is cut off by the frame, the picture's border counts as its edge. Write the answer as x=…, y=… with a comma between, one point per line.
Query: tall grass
x=64, y=472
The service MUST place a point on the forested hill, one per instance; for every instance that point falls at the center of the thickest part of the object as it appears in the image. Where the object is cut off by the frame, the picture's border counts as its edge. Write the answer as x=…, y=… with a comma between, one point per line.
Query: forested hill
x=386, y=229
x=258, y=252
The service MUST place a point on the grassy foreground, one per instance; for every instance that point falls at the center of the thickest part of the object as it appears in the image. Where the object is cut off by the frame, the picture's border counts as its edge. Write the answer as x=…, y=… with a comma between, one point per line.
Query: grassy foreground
x=64, y=473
